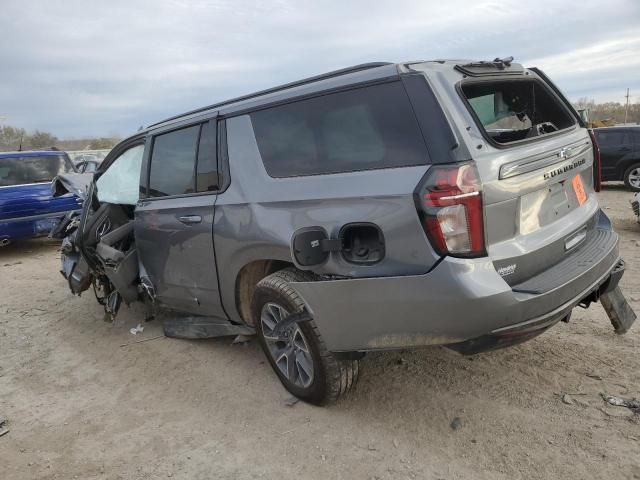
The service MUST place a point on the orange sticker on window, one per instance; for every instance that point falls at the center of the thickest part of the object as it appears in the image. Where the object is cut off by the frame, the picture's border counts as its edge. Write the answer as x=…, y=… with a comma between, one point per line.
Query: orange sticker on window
x=579, y=189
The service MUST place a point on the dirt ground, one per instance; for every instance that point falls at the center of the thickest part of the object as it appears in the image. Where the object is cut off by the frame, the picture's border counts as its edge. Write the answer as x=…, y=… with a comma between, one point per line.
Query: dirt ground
x=84, y=400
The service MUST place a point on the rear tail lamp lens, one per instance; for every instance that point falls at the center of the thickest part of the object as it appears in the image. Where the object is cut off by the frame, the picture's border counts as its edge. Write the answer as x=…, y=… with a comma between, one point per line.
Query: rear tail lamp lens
x=597, y=163
x=450, y=200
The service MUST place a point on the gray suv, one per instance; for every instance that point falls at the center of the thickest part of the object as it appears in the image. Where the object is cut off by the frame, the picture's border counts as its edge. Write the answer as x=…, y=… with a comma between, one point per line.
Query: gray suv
x=382, y=206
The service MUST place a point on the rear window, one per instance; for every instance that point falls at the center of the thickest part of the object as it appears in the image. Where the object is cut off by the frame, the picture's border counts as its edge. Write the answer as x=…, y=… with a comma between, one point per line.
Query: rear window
x=510, y=111
x=32, y=169
x=363, y=129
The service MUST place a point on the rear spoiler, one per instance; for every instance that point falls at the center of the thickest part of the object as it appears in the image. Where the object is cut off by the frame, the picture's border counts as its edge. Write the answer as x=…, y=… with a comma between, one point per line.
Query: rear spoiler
x=497, y=67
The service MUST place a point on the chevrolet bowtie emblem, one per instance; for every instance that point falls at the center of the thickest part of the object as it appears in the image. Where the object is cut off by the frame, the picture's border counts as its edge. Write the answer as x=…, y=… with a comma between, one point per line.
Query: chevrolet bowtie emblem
x=565, y=153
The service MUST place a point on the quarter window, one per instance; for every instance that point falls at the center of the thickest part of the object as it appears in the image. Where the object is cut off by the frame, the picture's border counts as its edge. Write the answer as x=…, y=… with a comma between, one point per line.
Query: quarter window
x=173, y=160
x=366, y=128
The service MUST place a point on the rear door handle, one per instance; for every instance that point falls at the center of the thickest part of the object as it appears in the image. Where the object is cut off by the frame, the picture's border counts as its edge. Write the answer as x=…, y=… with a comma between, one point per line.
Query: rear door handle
x=190, y=219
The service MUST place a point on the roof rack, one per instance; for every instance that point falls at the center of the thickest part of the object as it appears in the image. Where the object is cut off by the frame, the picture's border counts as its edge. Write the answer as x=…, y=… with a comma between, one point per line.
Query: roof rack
x=297, y=83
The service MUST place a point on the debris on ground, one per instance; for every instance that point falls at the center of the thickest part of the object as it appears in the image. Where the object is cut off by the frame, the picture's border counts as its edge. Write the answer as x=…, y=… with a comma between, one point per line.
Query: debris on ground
x=594, y=376
x=291, y=401
x=4, y=426
x=566, y=399
x=631, y=404
x=456, y=423
x=241, y=339
x=137, y=330
x=142, y=341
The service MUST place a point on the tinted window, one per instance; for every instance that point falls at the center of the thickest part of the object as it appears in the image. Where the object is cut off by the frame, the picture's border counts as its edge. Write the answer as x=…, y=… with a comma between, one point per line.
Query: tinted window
x=25, y=170
x=610, y=139
x=173, y=162
x=207, y=169
x=362, y=129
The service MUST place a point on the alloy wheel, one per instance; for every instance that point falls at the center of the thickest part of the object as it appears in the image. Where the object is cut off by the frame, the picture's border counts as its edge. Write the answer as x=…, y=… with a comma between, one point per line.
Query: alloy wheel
x=289, y=349
x=634, y=178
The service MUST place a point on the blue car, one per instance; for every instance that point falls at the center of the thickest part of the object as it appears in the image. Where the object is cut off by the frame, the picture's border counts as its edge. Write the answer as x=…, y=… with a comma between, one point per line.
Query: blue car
x=27, y=207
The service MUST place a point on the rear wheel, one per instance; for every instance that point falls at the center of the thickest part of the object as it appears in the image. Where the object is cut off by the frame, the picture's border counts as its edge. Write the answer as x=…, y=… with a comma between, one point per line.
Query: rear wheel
x=298, y=355
x=632, y=177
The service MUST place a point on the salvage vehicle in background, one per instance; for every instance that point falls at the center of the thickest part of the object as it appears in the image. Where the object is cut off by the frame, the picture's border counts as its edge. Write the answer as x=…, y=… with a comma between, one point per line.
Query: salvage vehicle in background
x=382, y=206
x=89, y=165
x=620, y=154
x=27, y=207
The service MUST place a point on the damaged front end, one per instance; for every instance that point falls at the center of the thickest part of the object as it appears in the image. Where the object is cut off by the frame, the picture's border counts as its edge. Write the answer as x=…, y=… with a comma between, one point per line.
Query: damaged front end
x=98, y=248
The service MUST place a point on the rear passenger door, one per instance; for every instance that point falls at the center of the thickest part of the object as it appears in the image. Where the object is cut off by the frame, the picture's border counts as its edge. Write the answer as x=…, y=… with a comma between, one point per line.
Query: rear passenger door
x=615, y=146
x=174, y=218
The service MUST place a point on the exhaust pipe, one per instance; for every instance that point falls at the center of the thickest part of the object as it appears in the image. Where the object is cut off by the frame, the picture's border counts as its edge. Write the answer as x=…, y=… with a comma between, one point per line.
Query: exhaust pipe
x=4, y=242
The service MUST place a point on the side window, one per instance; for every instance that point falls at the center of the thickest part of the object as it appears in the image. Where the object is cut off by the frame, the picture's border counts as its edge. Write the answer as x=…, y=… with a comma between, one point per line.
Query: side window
x=361, y=129
x=609, y=139
x=173, y=162
x=207, y=166
x=121, y=182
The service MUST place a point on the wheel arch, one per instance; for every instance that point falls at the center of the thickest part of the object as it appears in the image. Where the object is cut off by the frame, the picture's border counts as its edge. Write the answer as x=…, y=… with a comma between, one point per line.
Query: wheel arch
x=623, y=165
x=247, y=279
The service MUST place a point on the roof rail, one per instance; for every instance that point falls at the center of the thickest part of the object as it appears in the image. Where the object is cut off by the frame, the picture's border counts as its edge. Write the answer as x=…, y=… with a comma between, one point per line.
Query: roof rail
x=297, y=83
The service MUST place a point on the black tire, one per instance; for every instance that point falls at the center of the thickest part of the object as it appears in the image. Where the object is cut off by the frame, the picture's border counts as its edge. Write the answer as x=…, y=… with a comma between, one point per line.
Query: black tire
x=332, y=377
x=627, y=173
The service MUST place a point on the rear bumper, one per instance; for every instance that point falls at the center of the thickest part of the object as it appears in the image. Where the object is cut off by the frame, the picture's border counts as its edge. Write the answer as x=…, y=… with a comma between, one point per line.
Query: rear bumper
x=458, y=301
x=28, y=227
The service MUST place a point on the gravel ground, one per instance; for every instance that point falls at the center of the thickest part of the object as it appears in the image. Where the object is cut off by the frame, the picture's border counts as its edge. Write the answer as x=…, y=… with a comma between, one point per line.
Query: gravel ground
x=83, y=400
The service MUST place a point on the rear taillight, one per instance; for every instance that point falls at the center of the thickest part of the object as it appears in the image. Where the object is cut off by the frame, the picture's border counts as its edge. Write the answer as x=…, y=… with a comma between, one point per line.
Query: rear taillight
x=450, y=200
x=597, y=164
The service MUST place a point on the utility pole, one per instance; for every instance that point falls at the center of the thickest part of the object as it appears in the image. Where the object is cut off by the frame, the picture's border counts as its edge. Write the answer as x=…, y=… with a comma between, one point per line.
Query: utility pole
x=626, y=108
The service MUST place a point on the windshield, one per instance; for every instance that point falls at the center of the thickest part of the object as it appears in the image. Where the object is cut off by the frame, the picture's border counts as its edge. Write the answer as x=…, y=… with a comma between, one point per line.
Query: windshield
x=32, y=169
x=516, y=110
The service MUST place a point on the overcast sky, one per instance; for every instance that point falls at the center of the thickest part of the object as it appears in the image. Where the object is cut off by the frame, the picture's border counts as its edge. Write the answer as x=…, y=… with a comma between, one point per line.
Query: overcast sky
x=79, y=68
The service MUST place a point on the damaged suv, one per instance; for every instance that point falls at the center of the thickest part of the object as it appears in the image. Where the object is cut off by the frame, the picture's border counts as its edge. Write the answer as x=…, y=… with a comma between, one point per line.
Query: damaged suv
x=382, y=206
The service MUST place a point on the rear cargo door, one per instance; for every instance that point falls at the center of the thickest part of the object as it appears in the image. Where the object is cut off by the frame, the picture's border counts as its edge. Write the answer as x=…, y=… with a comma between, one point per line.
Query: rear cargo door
x=536, y=171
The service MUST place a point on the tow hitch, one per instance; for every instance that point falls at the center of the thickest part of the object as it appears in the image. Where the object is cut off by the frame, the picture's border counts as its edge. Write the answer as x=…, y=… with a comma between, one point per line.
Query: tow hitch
x=618, y=309
x=615, y=304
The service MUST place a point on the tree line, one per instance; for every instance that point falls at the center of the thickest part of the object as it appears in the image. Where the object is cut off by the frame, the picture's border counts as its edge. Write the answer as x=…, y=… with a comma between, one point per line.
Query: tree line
x=13, y=138
x=609, y=110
